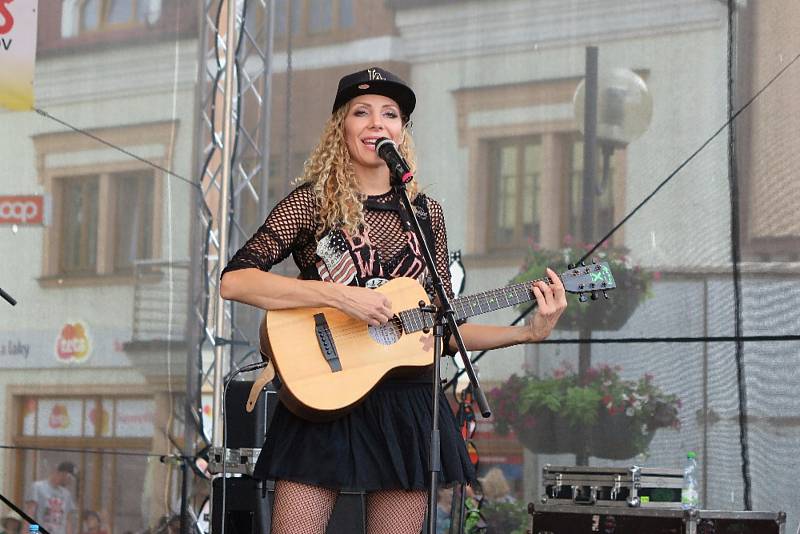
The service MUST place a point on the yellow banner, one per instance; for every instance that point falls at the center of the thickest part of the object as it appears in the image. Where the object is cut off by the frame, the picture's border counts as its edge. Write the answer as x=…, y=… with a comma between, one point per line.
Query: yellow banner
x=17, y=53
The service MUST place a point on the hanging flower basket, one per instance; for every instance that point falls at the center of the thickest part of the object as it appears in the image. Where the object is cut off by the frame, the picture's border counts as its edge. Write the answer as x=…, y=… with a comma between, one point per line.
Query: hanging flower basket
x=633, y=286
x=601, y=414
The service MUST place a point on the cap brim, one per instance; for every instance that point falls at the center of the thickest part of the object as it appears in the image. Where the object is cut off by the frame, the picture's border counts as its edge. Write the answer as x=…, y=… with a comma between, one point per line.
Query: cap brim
x=401, y=94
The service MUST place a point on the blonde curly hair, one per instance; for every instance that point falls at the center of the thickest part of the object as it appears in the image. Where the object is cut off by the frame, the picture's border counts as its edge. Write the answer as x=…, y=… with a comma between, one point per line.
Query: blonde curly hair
x=330, y=173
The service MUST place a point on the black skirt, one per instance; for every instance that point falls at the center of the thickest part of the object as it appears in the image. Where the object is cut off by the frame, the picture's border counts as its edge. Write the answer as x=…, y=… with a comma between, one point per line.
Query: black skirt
x=383, y=443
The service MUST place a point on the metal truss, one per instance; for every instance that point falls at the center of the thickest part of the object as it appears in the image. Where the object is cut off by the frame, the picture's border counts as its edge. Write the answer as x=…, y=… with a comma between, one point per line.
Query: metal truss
x=232, y=162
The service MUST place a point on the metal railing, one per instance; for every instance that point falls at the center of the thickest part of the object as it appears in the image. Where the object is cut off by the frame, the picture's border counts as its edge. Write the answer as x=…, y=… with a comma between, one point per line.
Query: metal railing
x=159, y=300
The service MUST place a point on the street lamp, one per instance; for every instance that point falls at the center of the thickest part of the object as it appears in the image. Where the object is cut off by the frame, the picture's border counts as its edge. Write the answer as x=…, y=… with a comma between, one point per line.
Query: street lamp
x=619, y=110
x=611, y=109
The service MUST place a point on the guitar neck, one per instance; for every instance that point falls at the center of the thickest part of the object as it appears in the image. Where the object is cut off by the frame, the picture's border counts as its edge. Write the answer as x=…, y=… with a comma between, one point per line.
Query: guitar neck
x=414, y=320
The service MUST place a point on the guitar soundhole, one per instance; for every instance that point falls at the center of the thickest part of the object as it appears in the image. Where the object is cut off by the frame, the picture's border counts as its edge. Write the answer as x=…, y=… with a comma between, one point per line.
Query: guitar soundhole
x=387, y=334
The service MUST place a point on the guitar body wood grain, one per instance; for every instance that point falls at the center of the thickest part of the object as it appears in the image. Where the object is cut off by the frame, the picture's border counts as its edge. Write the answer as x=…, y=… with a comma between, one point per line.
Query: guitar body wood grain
x=310, y=388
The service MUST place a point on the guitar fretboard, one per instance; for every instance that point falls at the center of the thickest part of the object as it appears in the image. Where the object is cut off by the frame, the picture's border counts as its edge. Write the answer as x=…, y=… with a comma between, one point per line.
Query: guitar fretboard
x=414, y=320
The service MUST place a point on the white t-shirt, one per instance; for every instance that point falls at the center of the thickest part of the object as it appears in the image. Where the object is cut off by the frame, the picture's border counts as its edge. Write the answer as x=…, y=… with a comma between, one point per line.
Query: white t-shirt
x=53, y=505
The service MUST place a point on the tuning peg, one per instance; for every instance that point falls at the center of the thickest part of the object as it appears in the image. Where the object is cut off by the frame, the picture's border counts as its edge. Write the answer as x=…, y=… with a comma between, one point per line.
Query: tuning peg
x=594, y=295
x=594, y=261
x=583, y=297
x=571, y=266
x=605, y=294
x=583, y=264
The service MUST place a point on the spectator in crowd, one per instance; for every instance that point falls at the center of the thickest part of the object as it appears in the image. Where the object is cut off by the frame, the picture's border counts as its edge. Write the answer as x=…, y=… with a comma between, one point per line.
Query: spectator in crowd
x=50, y=502
x=11, y=524
x=495, y=487
x=92, y=524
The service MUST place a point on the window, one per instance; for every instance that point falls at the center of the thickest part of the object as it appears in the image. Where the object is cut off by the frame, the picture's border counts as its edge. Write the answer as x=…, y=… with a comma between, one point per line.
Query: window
x=133, y=220
x=106, y=207
x=526, y=170
x=130, y=216
x=603, y=196
x=84, y=16
x=320, y=16
x=310, y=17
x=111, y=485
x=79, y=224
x=516, y=171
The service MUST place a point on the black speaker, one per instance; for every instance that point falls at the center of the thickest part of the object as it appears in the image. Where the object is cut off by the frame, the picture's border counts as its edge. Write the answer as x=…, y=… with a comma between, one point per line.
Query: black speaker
x=248, y=511
x=247, y=508
x=247, y=430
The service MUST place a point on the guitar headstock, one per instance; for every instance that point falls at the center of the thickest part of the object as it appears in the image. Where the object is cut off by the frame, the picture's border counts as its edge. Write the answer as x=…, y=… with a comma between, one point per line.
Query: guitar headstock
x=589, y=280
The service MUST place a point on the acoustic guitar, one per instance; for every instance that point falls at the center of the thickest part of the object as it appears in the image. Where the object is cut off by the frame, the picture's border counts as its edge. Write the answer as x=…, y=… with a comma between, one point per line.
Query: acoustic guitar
x=329, y=361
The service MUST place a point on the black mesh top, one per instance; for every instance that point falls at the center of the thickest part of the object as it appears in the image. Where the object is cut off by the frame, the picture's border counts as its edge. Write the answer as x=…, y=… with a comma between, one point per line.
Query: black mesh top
x=385, y=248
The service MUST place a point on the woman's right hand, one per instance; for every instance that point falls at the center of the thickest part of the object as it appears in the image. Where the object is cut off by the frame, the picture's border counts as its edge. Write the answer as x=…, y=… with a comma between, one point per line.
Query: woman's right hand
x=368, y=305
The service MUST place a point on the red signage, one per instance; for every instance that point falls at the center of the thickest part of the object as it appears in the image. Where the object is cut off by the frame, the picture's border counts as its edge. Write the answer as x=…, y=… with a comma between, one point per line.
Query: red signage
x=22, y=209
x=8, y=18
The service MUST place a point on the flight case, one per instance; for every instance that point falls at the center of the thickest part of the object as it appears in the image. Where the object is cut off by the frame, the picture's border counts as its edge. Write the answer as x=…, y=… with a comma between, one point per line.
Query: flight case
x=579, y=519
x=650, y=487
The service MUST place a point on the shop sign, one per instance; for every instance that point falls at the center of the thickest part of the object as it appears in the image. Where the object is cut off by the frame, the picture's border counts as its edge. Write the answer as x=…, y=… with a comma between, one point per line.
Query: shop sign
x=73, y=344
x=15, y=348
x=134, y=418
x=59, y=417
x=18, y=25
x=22, y=209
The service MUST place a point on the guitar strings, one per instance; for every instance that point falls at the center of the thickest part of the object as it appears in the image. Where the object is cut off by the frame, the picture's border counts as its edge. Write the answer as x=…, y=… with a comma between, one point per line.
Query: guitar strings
x=468, y=305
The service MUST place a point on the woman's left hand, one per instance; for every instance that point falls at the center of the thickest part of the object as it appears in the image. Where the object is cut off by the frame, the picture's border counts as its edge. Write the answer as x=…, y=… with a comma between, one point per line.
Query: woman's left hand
x=551, y=300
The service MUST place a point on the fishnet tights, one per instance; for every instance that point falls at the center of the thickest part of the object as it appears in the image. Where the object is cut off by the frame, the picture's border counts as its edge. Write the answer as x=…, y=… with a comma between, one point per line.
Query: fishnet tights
x=396, y=511
x=306, y=509
x=301, y=508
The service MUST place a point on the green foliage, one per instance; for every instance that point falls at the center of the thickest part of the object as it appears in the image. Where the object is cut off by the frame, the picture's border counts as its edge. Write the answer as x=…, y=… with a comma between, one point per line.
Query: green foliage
x=523, y=401
x=633, y=285
x=498, y=518
x=505, y=517
x=580, y=405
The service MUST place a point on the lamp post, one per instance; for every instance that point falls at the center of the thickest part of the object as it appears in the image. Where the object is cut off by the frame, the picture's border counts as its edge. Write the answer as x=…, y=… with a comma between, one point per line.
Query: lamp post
x=612, y=109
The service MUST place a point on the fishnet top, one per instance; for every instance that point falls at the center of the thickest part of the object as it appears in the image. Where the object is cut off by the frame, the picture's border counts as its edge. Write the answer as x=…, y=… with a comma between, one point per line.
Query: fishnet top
x=384, y=249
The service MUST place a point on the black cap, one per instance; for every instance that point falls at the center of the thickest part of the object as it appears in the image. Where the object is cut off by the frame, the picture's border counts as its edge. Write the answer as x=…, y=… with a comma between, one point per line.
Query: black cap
x=376, y=81
x=68, y=467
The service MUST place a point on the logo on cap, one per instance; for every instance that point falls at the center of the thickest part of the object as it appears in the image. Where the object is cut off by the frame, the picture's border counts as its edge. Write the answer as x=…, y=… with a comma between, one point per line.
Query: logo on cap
x=374, y=74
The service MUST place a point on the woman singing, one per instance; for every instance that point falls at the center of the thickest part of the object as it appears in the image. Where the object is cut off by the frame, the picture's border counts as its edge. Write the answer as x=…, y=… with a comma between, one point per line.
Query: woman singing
x=348, y=233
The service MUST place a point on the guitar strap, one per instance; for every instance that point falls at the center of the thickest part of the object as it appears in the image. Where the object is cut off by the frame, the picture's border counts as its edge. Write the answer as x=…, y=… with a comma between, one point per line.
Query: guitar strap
x=265, y=377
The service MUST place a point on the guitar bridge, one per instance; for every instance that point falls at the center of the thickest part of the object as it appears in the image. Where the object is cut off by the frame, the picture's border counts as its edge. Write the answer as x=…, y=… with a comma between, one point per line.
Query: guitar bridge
x=326, y=344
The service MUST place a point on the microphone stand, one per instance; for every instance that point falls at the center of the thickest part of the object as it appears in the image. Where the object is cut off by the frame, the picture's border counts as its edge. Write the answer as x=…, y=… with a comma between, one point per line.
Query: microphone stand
x=444, y=315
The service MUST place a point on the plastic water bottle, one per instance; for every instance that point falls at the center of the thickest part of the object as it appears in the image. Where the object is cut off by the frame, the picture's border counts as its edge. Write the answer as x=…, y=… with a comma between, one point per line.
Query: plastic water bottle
x=33, y=528
x=690, y=497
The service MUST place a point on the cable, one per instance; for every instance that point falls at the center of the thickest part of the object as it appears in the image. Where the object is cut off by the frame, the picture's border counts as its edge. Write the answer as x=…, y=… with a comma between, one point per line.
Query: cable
x=88, y=451
x=733, y=178
x=109, y=144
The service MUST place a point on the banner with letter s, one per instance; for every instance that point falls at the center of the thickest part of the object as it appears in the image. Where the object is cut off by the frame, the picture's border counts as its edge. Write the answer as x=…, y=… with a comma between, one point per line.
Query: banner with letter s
x=17, y=53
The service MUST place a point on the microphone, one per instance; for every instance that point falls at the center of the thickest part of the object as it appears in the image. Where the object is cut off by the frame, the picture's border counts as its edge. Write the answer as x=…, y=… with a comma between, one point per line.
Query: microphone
x=387, y=151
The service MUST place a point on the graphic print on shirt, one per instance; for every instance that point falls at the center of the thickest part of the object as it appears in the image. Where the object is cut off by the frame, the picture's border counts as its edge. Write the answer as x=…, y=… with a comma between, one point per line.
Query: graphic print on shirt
x=336, y=264
x=353, y=259
x=413, y=266
x=54, y=512
x=364, y=254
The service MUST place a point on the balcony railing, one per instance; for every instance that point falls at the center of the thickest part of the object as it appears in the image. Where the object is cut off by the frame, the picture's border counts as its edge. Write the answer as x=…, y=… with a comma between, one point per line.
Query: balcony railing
x=160, y=301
